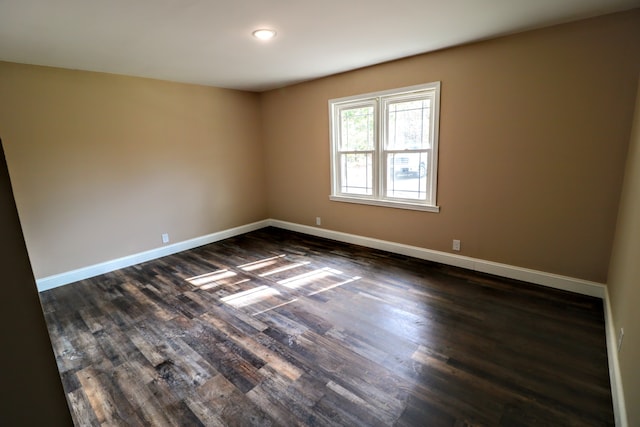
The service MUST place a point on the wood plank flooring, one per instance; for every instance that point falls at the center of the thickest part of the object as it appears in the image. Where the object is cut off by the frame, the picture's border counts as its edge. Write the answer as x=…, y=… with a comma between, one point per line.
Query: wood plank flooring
x=278, y=328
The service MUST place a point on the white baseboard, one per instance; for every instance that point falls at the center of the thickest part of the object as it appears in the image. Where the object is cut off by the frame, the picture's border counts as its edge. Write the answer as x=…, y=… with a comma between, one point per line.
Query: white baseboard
x=617, y=392
x=556, y=281
x=580, y=286
x=51, y=282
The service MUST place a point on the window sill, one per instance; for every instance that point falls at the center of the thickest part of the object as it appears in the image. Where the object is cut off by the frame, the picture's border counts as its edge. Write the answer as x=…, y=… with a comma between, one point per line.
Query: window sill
x=386, y=203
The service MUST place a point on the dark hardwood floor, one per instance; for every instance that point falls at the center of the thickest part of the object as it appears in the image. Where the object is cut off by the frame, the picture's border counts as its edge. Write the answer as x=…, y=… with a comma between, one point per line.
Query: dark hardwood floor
x=279, y=328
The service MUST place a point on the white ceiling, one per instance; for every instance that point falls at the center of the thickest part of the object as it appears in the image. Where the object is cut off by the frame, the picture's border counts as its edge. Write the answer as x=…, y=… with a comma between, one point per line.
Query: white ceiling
x=209, y=41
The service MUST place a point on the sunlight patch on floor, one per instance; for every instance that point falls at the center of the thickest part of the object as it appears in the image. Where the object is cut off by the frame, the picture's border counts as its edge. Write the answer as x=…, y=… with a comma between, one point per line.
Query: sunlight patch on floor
x=263, y=263
x=205, y=279
x=285, y=268
x=274, y=307
x=251, y=296
x=353, y=279
x=306, y=278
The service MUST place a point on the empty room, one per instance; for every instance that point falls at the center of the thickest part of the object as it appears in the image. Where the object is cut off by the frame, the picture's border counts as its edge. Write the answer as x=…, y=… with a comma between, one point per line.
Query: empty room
x=352, y=213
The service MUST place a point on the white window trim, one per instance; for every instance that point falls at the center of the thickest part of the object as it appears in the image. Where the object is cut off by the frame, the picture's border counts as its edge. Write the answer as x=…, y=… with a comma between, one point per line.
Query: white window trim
x=377, y=199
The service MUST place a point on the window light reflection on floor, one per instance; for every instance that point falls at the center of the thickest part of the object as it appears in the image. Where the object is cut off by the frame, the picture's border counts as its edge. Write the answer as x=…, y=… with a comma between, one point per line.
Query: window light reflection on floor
x=275, y=307
x=305, y=278
x=257, y=265
x=207, y=278
x=245, y=298
x=260, y=293
x=285, y=268
x=335, y=285
x=216, y=284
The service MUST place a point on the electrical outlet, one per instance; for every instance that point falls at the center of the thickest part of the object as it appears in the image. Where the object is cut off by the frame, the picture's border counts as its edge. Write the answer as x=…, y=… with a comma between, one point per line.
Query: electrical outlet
x=620, y=337
x=456, y=245
x=318, y=220
x=165, y=237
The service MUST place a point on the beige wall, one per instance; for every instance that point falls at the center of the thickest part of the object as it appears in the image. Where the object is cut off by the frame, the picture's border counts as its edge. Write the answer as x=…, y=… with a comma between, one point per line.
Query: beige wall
x=533, y=135
x=30, y=391
x=534, y=131
x=624, y=275
x=103, y=164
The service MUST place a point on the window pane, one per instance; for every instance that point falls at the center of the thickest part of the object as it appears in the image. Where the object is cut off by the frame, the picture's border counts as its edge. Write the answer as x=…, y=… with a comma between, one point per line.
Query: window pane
x=356, y=173
x=384, y=147
x=408, y=124
x=356, y=129
x=407, y=176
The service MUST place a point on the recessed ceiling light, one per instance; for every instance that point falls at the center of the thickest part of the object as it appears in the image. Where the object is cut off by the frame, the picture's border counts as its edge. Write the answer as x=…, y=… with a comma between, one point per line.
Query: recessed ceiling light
x=264, y=34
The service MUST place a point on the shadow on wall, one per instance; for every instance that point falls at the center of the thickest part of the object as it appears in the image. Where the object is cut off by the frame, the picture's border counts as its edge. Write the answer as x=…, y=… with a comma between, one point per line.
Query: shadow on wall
x=32, y=393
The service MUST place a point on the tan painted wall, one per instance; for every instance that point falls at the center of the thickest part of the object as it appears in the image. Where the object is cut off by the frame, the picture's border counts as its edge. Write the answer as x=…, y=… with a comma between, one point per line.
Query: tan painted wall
x=30, y=391
x=103, y=164
x=624, y=275
x=533, y=136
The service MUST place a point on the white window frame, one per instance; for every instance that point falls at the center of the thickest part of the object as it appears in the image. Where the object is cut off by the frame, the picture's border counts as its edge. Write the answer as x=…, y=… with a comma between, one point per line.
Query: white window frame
x=379, y=101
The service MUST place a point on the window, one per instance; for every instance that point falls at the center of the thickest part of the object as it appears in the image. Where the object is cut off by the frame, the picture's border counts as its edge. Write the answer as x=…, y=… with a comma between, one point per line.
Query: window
x=384, y=147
